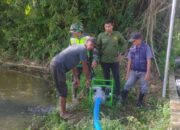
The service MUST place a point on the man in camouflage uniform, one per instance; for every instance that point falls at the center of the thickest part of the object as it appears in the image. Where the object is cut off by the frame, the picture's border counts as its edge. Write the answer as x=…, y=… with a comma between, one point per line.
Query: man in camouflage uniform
x=79, y=38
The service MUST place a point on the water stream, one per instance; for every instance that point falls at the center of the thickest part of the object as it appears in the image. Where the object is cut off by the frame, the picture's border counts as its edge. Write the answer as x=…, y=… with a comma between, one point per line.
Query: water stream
x=22, y=96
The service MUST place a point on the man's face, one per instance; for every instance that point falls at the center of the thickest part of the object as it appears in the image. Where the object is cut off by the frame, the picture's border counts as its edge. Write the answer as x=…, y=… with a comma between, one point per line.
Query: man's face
x=90, y=45
x=137, y=42
x=76, y=34
x=108, y=27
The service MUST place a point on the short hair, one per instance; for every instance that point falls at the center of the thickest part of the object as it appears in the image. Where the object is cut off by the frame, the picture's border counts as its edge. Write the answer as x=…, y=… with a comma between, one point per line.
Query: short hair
x=109, y=21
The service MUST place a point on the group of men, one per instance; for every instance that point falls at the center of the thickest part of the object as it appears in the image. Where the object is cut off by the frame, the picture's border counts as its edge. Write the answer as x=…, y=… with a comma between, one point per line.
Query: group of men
x=85, y=52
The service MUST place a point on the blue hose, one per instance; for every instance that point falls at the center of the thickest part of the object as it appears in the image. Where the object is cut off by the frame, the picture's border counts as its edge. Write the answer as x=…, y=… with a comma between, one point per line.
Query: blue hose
x=97, y=104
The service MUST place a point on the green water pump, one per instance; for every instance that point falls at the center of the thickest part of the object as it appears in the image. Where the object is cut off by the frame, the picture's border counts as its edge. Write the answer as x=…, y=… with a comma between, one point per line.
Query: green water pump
x=106, y=86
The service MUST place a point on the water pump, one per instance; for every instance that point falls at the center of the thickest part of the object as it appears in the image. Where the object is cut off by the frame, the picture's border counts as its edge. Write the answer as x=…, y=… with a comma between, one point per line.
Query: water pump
x=107, y=88
x=101, y=92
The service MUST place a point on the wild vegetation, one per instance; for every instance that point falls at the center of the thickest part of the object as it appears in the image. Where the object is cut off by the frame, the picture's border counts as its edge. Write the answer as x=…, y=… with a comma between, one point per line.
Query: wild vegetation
x=37, y=30
x=43, y=26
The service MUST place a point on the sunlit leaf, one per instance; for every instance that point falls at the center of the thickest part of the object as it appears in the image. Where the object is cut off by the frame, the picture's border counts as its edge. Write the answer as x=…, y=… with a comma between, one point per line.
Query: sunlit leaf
x=28, y=9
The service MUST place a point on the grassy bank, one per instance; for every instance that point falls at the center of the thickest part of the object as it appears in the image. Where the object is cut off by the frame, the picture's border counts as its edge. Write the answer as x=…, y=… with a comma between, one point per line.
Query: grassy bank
x=154, y=116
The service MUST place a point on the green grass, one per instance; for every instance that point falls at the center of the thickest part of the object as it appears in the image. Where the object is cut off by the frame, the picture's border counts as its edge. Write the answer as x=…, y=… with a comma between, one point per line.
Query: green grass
x=154, y=116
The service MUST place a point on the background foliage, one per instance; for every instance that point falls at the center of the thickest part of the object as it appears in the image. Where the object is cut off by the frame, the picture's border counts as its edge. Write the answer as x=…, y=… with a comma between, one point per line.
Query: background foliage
x=37, y=30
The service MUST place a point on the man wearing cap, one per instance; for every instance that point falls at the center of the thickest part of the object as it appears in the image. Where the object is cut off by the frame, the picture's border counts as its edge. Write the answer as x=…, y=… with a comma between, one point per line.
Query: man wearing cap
x=138, y=67
x=79, y=38
x=110, y=45
x=64, y=62
x=77, y=35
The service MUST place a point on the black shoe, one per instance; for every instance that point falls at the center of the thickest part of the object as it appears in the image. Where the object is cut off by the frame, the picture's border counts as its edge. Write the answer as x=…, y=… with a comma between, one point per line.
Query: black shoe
x=140, y=102
x=124, y=96
x=118, y=98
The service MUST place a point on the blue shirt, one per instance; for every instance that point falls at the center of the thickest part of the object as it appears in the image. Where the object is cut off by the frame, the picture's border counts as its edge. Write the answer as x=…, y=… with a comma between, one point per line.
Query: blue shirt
x=138, y=56
x=148, y=52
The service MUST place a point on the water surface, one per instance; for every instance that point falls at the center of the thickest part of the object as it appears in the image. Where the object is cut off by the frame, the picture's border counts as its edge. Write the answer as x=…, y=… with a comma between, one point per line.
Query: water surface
x=21, y=96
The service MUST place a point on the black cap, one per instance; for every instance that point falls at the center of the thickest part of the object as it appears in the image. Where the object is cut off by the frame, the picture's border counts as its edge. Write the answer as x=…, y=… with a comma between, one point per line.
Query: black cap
x=134, y=36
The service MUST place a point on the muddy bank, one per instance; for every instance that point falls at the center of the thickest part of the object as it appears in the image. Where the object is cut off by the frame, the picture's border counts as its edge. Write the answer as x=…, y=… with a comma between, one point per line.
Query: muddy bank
x=28, y=67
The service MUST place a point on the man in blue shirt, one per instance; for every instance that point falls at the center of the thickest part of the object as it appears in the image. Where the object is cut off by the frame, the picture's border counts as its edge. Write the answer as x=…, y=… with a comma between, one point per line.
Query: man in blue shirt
x=138, y=68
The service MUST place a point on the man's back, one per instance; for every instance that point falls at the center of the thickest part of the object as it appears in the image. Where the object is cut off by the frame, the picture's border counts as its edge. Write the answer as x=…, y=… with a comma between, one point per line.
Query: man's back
x=71, y=56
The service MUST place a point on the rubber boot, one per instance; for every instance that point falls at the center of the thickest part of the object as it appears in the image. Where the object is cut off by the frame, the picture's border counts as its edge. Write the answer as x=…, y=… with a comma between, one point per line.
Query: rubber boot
x=140, y=102
x=107, y=93
x=74, y=90
x=124, y=96
x=74, y=97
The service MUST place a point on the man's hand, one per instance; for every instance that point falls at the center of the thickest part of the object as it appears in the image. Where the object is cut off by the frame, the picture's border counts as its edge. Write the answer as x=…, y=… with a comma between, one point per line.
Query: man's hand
x=127, y=76
x=76, y=82
x=128, y=69
x=147, y=76
x=118, y=58
x=94, y=64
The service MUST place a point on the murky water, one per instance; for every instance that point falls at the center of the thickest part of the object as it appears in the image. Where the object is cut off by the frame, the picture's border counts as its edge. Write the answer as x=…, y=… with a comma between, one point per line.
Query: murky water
x=21, y=96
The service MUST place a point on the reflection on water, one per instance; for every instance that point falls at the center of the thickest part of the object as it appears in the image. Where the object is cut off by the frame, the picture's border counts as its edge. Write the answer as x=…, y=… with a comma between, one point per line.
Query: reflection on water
x=21, y=95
